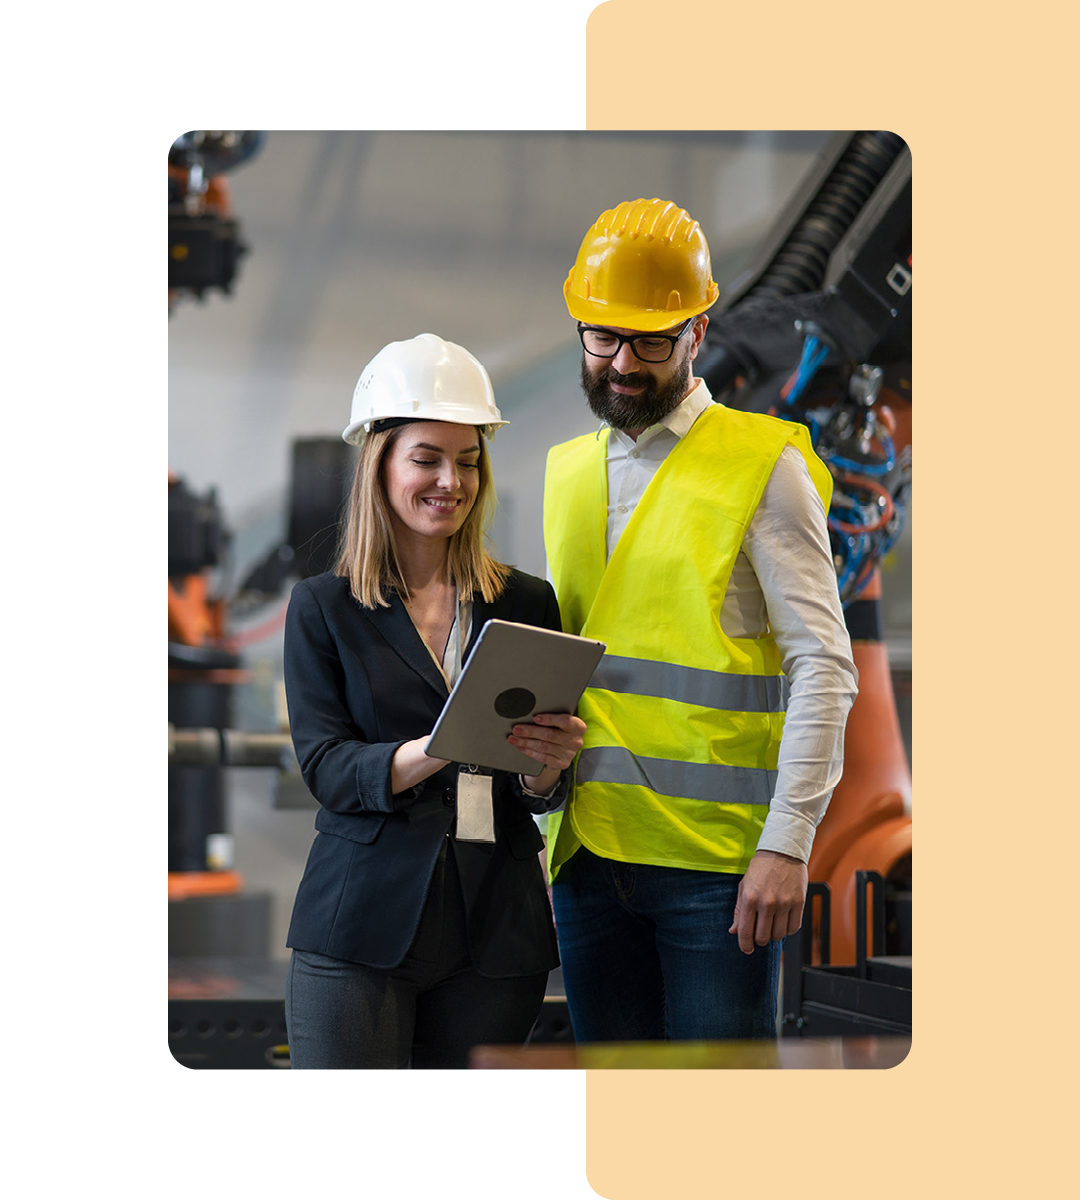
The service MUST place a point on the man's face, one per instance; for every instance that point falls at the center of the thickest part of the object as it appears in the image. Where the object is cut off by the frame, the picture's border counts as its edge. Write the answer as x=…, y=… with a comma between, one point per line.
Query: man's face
x=632, y=395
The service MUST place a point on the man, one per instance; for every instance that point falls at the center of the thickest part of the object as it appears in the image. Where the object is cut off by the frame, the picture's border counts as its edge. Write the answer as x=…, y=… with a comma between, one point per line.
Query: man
x=691, y=539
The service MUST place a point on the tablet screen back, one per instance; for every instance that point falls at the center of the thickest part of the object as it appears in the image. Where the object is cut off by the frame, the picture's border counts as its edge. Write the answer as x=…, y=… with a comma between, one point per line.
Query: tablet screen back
x=513, y=672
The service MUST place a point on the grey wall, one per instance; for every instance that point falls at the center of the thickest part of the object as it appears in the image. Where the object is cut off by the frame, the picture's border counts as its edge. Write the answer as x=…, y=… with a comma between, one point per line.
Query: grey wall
x=360, y=238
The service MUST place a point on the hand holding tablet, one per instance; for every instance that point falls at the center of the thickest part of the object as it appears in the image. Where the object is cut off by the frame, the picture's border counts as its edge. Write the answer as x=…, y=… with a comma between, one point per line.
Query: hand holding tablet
x=513, y=673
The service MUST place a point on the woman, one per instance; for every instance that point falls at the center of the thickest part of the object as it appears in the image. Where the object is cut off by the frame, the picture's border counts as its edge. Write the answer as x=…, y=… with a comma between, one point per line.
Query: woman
x=411, y=944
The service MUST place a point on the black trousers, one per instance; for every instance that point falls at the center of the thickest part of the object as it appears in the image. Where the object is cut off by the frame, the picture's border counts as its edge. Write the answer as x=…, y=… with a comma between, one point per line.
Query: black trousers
x=427, y=1012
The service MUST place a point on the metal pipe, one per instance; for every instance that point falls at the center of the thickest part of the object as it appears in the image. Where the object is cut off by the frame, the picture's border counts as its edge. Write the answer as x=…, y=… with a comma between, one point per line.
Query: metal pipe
x=230, y=748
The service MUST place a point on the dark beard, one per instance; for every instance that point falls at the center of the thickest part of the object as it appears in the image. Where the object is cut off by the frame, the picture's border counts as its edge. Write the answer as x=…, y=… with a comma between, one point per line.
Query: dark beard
x=634, y=412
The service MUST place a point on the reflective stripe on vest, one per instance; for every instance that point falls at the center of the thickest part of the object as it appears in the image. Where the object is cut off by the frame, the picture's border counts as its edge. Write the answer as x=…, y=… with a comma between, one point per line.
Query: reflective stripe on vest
x=691, y=685
x=712, y=782
x=684, y=723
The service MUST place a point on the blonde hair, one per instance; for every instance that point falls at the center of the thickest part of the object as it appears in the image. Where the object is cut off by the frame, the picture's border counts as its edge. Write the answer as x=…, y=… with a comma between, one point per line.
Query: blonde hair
x=367, y=555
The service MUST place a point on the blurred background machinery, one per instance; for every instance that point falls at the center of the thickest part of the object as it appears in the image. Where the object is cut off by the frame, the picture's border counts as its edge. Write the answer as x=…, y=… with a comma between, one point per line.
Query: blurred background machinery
x=209, y=912
x=204, y=237
x=817, y=329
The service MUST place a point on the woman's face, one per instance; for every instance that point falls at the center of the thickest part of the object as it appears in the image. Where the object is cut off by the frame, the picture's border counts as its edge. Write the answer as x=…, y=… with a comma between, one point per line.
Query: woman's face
x=431, y=474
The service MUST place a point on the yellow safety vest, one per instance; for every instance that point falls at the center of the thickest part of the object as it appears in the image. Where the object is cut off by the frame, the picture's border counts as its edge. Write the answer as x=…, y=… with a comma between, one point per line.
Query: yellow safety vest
x=684, y=723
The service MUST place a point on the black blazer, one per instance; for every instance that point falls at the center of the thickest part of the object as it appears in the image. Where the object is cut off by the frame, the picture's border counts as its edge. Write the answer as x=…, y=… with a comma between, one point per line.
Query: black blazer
x=359, y=683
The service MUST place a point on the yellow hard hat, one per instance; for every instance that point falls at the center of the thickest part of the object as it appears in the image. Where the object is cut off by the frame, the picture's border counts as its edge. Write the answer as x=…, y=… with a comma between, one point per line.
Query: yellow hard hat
x=643, y=265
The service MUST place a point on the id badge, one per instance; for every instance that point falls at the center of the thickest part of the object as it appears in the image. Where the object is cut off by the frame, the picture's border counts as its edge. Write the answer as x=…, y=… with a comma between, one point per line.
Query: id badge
x=475, y=822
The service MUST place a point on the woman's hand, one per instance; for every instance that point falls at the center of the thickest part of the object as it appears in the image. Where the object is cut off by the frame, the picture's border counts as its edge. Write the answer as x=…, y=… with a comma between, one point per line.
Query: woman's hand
x=411, y=765
x=553, y=741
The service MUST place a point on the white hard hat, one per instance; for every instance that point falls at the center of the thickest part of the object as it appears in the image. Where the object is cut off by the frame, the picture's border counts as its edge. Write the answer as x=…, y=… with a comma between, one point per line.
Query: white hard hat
x=423, y=379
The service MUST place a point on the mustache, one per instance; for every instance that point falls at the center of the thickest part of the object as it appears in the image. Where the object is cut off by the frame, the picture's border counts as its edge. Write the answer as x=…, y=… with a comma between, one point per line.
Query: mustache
x=610, y=375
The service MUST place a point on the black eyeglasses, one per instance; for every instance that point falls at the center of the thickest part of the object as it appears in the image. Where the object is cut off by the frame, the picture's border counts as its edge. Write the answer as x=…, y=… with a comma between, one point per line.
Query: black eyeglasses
x=648, y=347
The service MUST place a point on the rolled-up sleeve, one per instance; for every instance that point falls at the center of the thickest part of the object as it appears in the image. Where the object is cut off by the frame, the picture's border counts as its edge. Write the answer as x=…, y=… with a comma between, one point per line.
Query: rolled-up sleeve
x=787, y=545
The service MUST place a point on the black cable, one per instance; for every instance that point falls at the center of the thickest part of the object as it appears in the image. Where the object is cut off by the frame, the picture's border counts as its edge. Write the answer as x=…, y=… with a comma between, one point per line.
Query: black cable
x=799, y=265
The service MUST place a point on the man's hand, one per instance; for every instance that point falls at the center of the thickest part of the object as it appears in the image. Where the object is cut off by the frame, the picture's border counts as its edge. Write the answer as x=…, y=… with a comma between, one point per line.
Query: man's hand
x=771, y=899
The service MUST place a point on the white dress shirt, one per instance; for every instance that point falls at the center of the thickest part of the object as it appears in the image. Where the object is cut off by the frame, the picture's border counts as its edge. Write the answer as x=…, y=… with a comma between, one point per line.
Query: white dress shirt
x=783, y=581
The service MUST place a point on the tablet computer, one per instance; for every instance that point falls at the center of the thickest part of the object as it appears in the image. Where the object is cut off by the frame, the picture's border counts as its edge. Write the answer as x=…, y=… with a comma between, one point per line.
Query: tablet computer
x=513, y=672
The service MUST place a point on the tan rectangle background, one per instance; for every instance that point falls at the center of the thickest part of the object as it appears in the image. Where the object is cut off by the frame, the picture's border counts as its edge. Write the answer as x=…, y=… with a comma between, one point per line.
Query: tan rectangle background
x=982, y=96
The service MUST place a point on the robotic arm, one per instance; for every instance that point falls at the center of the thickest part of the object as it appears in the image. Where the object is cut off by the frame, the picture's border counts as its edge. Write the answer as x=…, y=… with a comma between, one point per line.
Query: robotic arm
x=204, y=237
x=818, y=329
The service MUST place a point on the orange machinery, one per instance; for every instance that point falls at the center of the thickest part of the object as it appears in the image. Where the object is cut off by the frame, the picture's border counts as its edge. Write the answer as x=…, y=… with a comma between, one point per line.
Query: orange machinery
x=204, y=664
x=817, y=329
x=209, y=911
x=204, y=237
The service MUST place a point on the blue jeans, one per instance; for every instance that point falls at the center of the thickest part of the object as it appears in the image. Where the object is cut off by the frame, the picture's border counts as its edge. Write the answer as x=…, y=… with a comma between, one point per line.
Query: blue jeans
x=646, y=954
